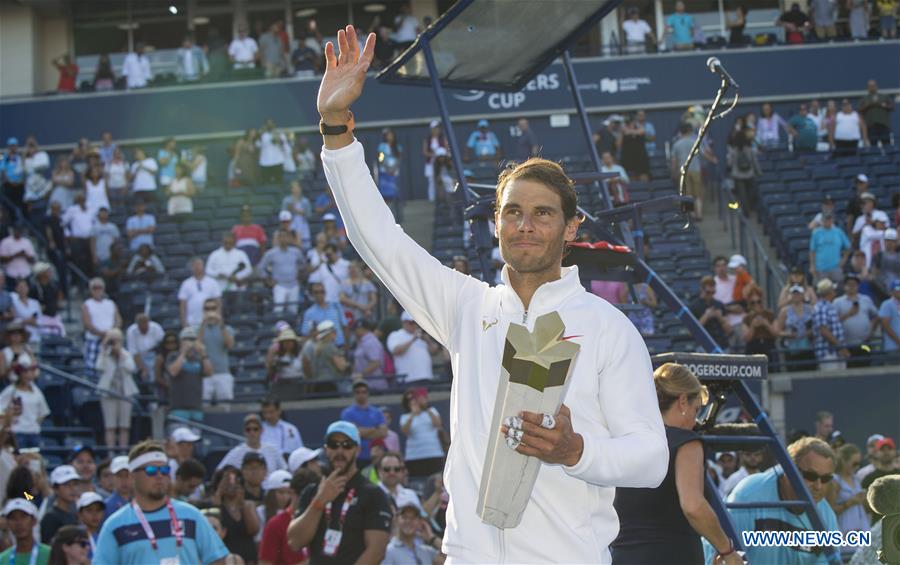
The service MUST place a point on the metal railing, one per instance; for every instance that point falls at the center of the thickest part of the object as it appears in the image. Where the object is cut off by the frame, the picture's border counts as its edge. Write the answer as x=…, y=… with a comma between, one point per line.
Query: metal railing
x=237, y=438
x=136, y=401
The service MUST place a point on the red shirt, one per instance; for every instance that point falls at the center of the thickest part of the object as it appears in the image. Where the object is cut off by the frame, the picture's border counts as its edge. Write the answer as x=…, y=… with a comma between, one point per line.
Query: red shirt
x=67, y=76
x=274, y=546
x=251, y=231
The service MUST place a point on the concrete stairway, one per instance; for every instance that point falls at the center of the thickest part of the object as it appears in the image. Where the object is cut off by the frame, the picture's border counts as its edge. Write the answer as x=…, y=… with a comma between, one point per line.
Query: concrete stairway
x=418, y=221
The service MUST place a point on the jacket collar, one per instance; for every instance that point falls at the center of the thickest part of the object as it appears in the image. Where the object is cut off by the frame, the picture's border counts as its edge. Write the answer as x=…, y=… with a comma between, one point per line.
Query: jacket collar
x=548, y=297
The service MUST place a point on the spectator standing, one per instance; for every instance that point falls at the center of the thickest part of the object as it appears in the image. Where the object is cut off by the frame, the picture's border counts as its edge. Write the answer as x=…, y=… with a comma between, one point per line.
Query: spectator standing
x=284, y=366
x=875, y=109
x=887, y=18
x=136, y=68
x=218, y=339
x=167, y=159
x=736, y=26
x=637, y=32
x=117, y=173
x=12, y=173
x=63, y=179
x=140, y=227
x=104, y=76
x=406, y=27
x=434, y=148
x=369, y=355
x=322, y=310
x=194, y=292
x=24, y=403
x=846, y=496
x=249, y=237
x=857, y=202
x=331, y=273
x=328, y=362
x=884, y=460
x=27, y=311
x=681, y=28
x=412, y=349
x=769, y=126
x=276, y=430
x=283, y=268
x=191, y=62
x=300, y=208
x=886, y=263
x=421, y=425
x=828, y=250
x=796, y=277
x=116, y=368
x=365, y=531
x=181, y=192
x=169, y=543
x=17, y=254
x=68, y=73
x=847, y=131
x=693, y=181
x=229, y=266
x=827, y=208
x=806, y=132
x=270, y=54
x=609, y=137
x=795, y=322
x=47, y=292
x=272, y=147
x=389, y=155
x=284, y=224
x=64, y=480
x=121, y=494
x=824, y=15
x=143, y=175
x=104, y=235
x=99, y=314
x=186, y=370
x=649, y=132
x=483, y=144
x=253, y=444
x=368, y=420
x=759, y=327
x=243, y=50
x=890, y=319
x=358, y=295
x=831, y=348
x=796, y=24
x=21, y=518
x=858, y=18
x=859, y=316
x=634, y=150
x=743, y=168
x=77, y=222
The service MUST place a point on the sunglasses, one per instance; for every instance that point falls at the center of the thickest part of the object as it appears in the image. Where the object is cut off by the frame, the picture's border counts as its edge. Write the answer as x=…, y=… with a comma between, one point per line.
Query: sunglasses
x=397, y=469
x=812, y=477
x=153, y=470
x=210, y=308
x=346, y=444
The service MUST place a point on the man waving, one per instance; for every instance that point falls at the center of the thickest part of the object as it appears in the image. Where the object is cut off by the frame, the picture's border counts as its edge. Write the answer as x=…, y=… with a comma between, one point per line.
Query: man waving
x=608, y=433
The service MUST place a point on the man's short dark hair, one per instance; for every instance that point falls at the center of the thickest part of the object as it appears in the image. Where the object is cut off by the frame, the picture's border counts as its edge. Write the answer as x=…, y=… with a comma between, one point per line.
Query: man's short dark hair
x=685, y=127
x=271, y=401
x=547, y=173
x=393, y=454
x=146, y=446
x=719, y=258
x=191, y=469
x=302, y=478
x=103, y=465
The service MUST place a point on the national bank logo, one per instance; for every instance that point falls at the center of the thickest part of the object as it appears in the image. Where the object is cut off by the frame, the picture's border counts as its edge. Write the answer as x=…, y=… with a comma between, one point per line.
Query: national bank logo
x=610, y=85
x=617, y=85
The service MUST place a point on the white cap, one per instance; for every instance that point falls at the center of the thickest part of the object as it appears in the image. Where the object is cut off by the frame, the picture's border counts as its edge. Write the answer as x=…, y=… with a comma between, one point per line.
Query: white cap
x=723, y=453
x=88, y=498
x=277, y=479
x=406, y=317
x=406, y=499
x=63, y=474
x=737, y=261
x=119, y=463
x=880, y=216
x=300, y=456
x=891, y=234
x=862, y=177
x=324, y=327
x=285, y=216
x=21, y=505
x=434, y=124
x=184, y=434
x=329, y=217
x=873, y=438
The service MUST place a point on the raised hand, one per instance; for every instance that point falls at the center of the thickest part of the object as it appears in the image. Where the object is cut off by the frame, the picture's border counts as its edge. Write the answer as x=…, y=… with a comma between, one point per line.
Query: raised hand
x=345, y=74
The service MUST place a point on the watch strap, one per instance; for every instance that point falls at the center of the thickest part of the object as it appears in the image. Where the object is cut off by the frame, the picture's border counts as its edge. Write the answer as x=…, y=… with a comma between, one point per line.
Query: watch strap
x=329, y=129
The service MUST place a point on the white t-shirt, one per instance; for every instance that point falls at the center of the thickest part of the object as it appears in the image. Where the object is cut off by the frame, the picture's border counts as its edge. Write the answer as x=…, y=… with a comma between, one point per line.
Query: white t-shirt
x=415, y=363
x=137, y=343
x=423, y=441
x=144, y=173
x=78, y=222
x=118, y=174
x=222, y=264
x=243, y=50
x=636, y=31
x=331, y=276
x=95, y=195
x=103, y=315
x=137, y=70
x=195, y=292
x=846, y=126
x=34, y=408
x=270, y=153
x=732, y=481
x=283, y=435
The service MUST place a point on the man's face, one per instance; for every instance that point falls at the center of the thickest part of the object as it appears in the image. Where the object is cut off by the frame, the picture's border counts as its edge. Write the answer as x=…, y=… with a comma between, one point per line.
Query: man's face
x=197, y=268
x=187, y=486
x=123, y=483
x=228, y=242
x=679, y=7
x=608, y=159
x=271, y=414
x=408, y=521
x=67, y=492
x=254, y=473
x=153, y=487
x=20, y=524
x=824, y=427
x=92, y=515
x=103, y=215
x=721, y=268
x=872, y=87
x=84, y=464
x=751, y=459
x=708, y=291
x=143, y=324
x=341, y=451
x=890, y=244
x=252, y=431
x=531, y=227
x=728, y=463
x=814, y=464
x=827, y=222
x=318, y=293
x=523, y=124
x=361, y=395
x=803, y=110
x=391, y=471
x=851, y=287
x=886, y=454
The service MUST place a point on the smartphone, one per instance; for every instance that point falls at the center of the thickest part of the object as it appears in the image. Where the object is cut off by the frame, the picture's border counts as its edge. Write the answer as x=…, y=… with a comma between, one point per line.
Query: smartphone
x=17, y=401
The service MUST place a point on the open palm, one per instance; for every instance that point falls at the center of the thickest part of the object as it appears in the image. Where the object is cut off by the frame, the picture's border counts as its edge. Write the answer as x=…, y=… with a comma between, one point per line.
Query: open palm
x=345, y=74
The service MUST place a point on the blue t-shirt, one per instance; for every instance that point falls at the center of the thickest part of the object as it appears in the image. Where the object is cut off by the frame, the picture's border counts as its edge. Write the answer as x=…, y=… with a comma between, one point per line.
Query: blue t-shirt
x=324, y=201
x=123, y=541
x=828, y=245
x=167, y=170
x=483, y=144
x=13, y=169
x=113, y=502
x=807, y=132
x=315, y=314
x=682, y=28
x=763, y=487
x=140, y=223
x=367, y=417
x=890, y=311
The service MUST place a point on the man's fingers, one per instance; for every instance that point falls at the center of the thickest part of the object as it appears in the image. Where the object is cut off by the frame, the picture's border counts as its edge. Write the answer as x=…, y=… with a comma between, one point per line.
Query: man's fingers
x=353, y=43
x=369, y=50
x=532, y=417
x=342, y=46
x=539, y=431
x=564, y=411
x=330, y=59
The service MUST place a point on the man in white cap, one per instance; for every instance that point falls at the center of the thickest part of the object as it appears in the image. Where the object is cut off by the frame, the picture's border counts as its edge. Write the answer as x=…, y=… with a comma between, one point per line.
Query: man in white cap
x=122, y=493
x=886, y=263
x=321, y=311
x=305, y=458
x=184, y=439
x=607, y=434
x=410, y=545
x=91, y=508
x=283, y=267
x=829, y=249
x=855, y=205
x=871, y=455
x=831, y=350
x=276, y=431
x=286, y=224
x=21, y=517
x=412, y=350
x=179, y=532
x=64, y=480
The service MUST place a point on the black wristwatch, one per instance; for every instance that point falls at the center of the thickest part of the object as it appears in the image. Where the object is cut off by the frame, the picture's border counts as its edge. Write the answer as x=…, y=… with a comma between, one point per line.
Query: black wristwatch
x=326, y=129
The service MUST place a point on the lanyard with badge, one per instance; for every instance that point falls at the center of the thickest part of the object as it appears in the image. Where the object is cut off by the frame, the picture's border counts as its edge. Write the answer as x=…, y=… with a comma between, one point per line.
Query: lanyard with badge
x=34, y=554
x=332, y=536
x=151, y=537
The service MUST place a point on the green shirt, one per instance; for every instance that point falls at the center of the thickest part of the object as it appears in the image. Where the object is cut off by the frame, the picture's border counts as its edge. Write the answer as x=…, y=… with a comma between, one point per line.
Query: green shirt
x=25, y=558
x=807, y=133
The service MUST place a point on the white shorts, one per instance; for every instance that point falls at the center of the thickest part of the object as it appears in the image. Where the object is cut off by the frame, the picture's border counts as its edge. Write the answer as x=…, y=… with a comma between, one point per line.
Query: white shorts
x=116, y=413
x=219, y=386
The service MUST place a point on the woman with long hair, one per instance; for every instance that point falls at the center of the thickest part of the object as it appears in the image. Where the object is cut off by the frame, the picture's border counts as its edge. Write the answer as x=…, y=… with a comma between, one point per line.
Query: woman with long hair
x=70, y=546
x=796, y=277
x=63, y=180
x=214, y=517
x=239, y=518
x=104, y=77
x=161, y=377
x=181, y=192
x=664, y=524
x=117, y=172
x=846, y=495
x=635, y=159
x=422, y=426
x=759, y=327
x=96, y=195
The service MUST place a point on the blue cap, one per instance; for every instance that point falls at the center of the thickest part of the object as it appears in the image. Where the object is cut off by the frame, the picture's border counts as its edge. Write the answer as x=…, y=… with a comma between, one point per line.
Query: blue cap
x=895, y=285
x=483, y=123
x=12, y=141
x=343, y=427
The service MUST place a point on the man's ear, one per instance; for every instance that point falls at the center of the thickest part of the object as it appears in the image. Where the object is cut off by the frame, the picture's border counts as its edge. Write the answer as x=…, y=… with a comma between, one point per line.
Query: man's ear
x=572, y=226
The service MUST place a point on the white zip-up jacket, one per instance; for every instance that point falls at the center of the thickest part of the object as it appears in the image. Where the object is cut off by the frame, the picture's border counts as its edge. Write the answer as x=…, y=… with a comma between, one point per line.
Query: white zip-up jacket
x=570, y=517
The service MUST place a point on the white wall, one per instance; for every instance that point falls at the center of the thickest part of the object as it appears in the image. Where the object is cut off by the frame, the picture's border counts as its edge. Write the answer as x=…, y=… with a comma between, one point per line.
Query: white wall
x=17, y=50
x=52, y=41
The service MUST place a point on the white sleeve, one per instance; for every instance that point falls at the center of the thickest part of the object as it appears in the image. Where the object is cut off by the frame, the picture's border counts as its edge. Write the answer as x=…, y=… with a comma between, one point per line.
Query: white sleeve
x=43, y=408
x=248, y=267
x=431, y=292
x=393, y=341
x=635, y=452
x=183, y=293
x=130, y=344
x=213, y=265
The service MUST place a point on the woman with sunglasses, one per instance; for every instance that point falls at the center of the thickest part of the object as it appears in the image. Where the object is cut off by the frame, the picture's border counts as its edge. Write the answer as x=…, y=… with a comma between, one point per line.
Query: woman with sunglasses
x=670, y=532
x=70, y=547
x=760, y=329
x=846, y=496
